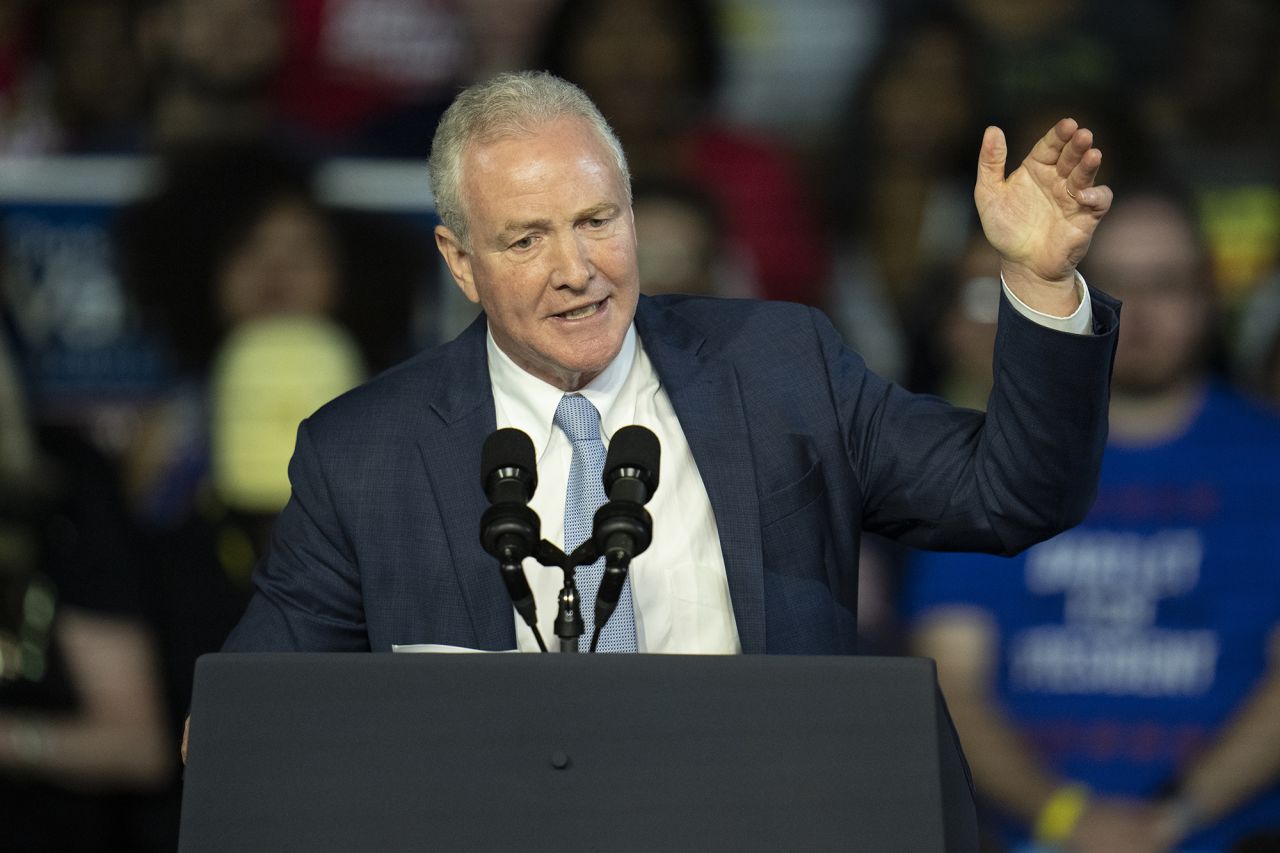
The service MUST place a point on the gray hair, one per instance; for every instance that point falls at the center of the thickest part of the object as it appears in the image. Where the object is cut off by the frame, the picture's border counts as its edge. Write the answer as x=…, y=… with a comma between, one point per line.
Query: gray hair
x=511, y=104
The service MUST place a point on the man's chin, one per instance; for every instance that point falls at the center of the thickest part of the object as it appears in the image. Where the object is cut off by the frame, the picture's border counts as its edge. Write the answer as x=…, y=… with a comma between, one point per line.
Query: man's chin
x=578, y=367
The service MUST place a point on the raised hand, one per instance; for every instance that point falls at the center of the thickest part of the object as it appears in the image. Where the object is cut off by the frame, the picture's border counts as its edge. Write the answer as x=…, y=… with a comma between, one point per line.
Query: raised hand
x=1042, y=216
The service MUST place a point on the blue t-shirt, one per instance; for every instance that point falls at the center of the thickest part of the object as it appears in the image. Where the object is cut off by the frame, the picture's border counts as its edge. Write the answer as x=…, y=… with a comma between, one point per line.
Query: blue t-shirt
x=1127, y=643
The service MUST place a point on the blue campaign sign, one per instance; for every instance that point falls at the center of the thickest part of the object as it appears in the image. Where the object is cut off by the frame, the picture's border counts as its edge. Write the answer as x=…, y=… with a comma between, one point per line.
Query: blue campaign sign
x=78, y=329
x=69, y=307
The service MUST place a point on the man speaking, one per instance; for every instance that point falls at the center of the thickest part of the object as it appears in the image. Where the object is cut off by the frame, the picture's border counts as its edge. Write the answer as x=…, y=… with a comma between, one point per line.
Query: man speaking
x=778, y=445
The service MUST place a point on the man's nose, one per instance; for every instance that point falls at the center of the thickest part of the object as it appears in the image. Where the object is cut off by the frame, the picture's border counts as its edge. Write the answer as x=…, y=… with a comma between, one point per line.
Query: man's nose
x=574, y=268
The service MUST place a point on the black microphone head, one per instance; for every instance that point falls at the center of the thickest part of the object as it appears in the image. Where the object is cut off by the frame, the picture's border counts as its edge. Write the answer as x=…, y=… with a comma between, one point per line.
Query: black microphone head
x=508, y=454
x=633, y=452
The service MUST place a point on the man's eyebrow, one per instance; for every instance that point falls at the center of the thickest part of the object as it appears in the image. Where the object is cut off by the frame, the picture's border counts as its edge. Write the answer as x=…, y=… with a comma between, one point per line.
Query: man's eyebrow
x=604, y=208
x=514, y=227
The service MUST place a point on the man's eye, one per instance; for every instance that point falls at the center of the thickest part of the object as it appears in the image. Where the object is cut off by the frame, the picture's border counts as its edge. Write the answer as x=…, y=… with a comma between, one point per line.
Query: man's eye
x=597, y=223
x=523, y=243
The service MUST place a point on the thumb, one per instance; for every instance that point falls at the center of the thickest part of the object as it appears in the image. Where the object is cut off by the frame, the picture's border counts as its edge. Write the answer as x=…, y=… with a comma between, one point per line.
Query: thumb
x=991, y=159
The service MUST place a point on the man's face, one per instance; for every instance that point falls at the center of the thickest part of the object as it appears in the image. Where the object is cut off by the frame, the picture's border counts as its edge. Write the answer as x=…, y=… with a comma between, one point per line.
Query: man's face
x=1147, y=257
x=552, y=255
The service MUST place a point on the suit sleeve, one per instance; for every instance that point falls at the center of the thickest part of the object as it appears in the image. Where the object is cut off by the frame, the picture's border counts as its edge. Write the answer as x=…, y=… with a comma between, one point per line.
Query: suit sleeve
x=307, y=594
x=944, y=478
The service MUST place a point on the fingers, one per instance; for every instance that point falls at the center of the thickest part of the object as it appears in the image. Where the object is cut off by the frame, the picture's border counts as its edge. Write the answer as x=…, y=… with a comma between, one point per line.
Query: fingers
x=1078, y=182
x=992, y=158
x=1081, y=176
x=1075, y=151
x=1077, y=165
x=1096, y=199
x=1049, y=148
x=1068, y=148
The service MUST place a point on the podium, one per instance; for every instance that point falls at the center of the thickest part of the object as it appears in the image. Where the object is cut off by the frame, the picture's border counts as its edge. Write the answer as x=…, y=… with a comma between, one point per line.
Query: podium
x=478, y=752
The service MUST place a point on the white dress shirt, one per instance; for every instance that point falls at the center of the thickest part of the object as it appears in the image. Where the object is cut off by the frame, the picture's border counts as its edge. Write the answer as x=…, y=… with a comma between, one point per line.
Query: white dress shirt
x=679, y=586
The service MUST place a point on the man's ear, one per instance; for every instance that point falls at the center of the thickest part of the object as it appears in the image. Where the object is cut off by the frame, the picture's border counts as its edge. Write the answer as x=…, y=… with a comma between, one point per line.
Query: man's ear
x=458, y=259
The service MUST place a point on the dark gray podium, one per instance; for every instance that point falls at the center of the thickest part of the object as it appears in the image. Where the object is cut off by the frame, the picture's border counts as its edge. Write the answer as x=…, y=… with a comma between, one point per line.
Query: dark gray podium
x=382, y=752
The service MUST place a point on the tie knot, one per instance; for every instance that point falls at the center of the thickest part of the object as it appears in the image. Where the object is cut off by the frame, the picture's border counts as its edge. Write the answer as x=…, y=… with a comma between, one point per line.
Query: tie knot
x=578, y=418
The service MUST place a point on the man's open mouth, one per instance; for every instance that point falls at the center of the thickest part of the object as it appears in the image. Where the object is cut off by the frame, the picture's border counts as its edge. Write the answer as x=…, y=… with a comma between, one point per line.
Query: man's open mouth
x=581, y=313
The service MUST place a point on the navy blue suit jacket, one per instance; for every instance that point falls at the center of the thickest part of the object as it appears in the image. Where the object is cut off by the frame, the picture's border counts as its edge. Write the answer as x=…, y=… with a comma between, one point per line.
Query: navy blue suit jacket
x=799, y=445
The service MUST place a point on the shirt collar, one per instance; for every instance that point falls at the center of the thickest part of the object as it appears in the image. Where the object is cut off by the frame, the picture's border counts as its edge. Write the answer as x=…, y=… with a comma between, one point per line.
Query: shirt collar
x=529, y=403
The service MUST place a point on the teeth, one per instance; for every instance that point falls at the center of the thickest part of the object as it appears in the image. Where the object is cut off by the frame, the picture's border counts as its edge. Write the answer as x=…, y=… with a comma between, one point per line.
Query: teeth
x=578, y=314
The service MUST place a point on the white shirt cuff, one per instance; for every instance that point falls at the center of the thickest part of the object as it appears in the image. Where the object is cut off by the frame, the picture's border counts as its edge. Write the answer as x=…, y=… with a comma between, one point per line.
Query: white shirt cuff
x=1080, y=322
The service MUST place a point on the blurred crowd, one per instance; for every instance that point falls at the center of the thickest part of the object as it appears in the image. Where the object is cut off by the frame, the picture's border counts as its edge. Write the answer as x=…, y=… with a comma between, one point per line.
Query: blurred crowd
x=160, y=343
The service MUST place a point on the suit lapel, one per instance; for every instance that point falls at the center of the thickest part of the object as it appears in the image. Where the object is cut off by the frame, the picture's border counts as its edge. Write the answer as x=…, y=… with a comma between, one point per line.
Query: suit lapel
x=704, y=391
x=463, y=405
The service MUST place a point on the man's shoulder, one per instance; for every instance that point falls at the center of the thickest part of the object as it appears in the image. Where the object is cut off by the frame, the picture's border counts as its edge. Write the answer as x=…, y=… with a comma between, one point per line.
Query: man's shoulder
x=401, y=395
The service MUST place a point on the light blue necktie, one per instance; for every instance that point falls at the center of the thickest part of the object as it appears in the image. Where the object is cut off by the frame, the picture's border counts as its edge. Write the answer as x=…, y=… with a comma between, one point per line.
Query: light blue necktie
x=581, y=423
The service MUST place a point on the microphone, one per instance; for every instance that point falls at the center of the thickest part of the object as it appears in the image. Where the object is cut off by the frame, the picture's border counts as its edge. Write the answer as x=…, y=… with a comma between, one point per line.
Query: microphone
x=623, y=528
x=509, y=529
x=631, y=468
x=508, y=470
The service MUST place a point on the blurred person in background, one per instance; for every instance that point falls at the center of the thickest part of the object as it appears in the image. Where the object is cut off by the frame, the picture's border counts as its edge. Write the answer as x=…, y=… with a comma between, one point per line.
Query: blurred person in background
x=232, y=234
x=902, y=186
x=654, y=69
x=1219, y=110
x=270, y=373
x=95, y=72
x=681, y=245
x=1026, y=50
x=953, y=361
x=965, y=331
x=235, y=233
x=212, y=68
x=71, y=76
x=371, y=77
x=235, y=260
x=27, y=124
x=1117, y=688
x=1256, y=347
x=83, y=742
x=505, y=33
x=788, y=66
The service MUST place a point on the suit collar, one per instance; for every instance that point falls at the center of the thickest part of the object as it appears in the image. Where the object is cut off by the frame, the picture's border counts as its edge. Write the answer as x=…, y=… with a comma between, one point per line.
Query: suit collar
x=704, y=391
x=461, y=375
